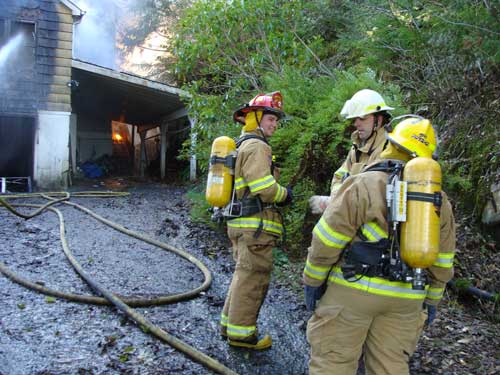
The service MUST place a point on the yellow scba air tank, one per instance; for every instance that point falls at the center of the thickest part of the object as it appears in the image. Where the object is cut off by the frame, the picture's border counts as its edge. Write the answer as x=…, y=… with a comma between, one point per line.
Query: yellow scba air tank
x=420, y=232
x=221, y=172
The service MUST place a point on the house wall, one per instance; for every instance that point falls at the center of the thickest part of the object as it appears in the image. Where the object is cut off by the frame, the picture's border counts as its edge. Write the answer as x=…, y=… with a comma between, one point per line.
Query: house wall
x=36, y=81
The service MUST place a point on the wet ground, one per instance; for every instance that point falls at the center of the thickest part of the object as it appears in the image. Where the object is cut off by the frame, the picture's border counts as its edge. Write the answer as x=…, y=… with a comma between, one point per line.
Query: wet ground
x=42, y=336
x=47, y=336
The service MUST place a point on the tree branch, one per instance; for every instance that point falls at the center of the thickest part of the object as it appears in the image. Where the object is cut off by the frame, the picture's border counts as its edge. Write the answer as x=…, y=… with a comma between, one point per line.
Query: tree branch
x=467, y=25
x=318, y=60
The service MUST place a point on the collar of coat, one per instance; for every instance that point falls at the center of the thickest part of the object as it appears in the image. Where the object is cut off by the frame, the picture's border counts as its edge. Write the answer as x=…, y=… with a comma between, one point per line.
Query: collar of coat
x=376, y=139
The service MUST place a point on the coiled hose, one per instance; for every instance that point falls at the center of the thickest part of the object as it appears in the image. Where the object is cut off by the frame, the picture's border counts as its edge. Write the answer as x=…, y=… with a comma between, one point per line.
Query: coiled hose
x=124, y=304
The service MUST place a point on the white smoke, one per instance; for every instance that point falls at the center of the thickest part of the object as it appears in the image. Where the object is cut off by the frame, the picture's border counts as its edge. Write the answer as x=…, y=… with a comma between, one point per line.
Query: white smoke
x=95, y=35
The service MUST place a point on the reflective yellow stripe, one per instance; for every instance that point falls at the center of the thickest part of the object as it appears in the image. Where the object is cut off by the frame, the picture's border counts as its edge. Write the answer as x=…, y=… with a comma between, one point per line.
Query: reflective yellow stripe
x=254, y=222
x=261, y=183
x=377, y=285
x=341, y=172
x=240, y=331
x=316, y=272
x=240, y=183
x=280, y=194
x=223, y=320
x=373, y=232
x=235, y=330
x=329, y=237
x=374, y=106
x=435, y=293
x=444, y=260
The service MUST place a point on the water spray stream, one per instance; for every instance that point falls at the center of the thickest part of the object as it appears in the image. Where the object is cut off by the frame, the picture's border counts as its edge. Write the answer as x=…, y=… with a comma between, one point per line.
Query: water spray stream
x=11, y=46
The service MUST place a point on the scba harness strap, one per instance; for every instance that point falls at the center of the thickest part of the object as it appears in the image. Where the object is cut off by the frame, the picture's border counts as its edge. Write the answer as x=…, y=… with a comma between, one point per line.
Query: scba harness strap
x=249, y=206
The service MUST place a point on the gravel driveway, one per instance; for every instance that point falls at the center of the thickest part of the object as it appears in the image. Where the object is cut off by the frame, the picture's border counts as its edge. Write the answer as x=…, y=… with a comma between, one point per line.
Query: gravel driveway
x=43, y=335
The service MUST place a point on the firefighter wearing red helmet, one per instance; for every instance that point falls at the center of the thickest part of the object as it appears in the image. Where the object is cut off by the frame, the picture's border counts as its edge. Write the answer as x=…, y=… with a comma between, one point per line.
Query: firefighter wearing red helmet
x=256, y=230
x=369, y=296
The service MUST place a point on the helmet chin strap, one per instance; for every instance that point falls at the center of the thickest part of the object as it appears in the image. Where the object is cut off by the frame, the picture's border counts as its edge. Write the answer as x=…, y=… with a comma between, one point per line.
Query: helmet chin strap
x=257, y=119
x=258, y=124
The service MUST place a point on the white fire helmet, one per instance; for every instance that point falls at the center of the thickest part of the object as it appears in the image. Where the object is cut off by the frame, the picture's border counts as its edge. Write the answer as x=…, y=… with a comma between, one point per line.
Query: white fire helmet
x=363, y=103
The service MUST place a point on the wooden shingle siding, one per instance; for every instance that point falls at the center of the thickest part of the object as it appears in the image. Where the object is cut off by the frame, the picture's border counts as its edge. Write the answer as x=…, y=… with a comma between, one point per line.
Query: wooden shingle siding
x=56, y=17
x=51, y=52
x=54, y=61
x=54, y=55
x=54, y=43
x=50, y=70
x=56, y=26
x=44, y=86
x=56, y=35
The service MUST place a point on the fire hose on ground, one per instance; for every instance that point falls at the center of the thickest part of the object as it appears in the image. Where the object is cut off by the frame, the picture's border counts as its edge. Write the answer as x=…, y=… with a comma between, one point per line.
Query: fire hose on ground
x=122, y=303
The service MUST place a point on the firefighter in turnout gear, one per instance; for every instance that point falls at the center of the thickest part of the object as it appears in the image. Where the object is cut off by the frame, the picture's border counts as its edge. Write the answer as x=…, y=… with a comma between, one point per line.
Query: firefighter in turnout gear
x=256, y=230
x=369, y=113
x=361, y=292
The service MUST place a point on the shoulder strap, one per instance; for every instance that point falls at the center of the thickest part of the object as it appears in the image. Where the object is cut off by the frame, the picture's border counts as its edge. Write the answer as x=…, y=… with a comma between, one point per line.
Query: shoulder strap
x=388, y=166
x=240, y=140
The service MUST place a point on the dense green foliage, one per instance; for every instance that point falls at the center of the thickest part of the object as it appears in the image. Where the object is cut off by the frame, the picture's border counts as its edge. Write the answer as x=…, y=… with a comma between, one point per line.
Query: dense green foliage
x=437, y=59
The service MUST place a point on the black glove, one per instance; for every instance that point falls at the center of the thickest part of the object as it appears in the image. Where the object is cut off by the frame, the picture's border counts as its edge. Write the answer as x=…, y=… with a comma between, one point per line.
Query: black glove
x=431, y=313
x=288, y=199
x=312, y=294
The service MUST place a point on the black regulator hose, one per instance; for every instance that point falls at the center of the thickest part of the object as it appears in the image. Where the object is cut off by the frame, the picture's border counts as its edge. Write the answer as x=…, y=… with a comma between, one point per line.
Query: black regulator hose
x=123, y=304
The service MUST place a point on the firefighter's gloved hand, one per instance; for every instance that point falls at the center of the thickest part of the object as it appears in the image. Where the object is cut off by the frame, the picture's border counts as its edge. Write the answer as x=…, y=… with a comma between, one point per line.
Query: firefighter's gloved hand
x=289, y=198
x=312, y=294
x=431, y=313
x=318, y=203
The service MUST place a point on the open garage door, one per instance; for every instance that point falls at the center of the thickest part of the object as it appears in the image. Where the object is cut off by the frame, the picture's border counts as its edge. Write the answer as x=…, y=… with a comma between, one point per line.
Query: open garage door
x=16, y=146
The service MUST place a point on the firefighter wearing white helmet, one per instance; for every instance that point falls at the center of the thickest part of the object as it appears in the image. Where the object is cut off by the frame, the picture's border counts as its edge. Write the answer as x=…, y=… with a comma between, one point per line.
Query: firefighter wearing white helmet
x=255, y=230
x=368, y=112
x=365, y=297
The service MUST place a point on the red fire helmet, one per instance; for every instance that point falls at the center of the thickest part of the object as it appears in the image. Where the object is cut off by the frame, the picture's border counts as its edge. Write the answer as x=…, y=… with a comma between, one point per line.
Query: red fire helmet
x=268, y=103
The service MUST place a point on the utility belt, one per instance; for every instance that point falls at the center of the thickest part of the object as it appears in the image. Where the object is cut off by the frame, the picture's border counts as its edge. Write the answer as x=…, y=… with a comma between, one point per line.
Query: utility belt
x=374, y=259
x=245, y=207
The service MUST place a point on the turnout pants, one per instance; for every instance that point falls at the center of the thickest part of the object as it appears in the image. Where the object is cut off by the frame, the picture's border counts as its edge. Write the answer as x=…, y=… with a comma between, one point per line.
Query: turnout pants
x=347, y=320
x=248, y=289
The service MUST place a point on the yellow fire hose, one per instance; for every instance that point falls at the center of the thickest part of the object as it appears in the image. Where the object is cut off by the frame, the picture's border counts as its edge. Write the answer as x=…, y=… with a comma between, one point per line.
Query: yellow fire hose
x=122, y=303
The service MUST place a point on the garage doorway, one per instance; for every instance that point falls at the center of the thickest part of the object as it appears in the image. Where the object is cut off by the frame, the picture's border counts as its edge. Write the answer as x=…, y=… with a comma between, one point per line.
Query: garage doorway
x=17, y=135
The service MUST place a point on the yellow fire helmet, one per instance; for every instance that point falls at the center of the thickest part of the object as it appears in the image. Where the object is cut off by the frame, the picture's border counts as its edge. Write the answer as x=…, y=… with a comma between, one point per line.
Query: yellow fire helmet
x=414, y=135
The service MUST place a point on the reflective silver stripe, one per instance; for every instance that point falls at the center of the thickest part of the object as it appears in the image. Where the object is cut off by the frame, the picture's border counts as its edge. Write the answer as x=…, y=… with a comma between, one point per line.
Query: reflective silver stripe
x=223, y=319
x=261, y=183
x=373, y=232
x=329, y=237
x=316, y=272
x=444, y=260
x=280, y=194
x=341, y=172
x=241, y=331
x=240, y=183
x=377, y=285
x=254, y=222
x=435, y=293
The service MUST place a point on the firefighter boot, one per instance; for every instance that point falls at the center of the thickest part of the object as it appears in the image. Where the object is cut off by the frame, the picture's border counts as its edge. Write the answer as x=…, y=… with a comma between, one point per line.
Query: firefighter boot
x=256, y=344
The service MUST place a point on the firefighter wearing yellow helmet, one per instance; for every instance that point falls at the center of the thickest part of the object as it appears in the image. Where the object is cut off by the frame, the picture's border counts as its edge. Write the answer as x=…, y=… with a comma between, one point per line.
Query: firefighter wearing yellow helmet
x=255, y=231
x=362, y=292
x=369, y=113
